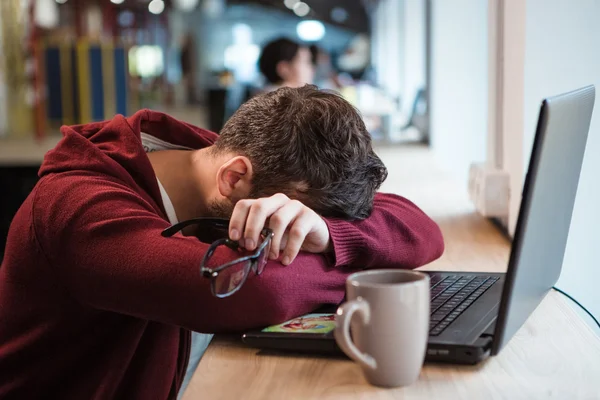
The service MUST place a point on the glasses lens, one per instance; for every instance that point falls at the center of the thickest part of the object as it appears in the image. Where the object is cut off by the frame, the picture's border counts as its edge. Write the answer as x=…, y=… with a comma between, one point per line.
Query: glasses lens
x=264, y=256
x=231, y=278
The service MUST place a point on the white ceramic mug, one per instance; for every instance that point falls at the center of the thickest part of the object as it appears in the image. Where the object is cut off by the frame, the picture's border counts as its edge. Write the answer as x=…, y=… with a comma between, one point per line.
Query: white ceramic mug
x=391, y=328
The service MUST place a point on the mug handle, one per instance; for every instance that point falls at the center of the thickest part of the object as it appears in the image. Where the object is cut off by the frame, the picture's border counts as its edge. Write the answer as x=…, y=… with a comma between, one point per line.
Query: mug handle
x=342, y=330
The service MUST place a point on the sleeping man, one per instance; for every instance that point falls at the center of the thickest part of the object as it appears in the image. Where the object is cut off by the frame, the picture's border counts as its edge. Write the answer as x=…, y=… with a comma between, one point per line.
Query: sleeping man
x=96, y=301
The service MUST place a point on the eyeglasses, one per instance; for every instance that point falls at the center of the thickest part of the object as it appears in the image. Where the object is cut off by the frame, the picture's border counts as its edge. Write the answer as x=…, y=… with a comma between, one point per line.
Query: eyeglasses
x=228, y=278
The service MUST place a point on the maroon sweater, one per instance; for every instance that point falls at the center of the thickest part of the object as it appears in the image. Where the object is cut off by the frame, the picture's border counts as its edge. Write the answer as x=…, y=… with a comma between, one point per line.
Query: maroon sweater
x=96, y=304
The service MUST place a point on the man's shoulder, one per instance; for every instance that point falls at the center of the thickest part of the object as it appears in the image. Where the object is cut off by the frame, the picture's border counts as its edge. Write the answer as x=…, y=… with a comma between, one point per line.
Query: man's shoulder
x=67, y=199
x=70, y=187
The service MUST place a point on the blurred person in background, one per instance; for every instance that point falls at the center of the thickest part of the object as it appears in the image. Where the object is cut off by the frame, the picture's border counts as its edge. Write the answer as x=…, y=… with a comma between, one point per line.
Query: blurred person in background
x=284, y=62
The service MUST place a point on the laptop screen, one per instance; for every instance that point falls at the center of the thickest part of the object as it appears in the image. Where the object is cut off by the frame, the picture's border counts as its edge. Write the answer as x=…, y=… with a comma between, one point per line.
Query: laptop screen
x=546, y=208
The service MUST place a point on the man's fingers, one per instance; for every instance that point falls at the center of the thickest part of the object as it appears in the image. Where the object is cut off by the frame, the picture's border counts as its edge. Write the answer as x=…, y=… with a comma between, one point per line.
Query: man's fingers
x=237, y=223
x=297, y=233
x=279, y=223
x=294, y=226
x=250, y=217
x=239, y=216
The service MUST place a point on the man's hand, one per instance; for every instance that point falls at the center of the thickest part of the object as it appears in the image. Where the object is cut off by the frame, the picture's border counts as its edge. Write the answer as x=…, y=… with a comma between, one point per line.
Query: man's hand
x=295, y=226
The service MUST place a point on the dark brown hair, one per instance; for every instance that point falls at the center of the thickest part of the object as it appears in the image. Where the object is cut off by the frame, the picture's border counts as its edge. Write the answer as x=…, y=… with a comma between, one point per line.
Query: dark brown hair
x=310, y=144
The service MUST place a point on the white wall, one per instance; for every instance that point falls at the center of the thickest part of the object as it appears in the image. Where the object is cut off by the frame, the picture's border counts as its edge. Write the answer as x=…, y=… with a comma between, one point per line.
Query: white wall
x=458, y=96
x=563, y=53
x=507, y=107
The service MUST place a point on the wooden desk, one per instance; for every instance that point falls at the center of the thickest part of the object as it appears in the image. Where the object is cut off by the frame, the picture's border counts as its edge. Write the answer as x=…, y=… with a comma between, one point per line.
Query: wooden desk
x=554, y=355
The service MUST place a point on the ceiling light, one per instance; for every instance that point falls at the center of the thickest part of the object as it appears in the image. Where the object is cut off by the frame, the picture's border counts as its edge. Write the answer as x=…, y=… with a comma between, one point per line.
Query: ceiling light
x=61, y=1
x=301, y=9
x=117, y=1
x=156, y=6
x=310, y=30
x=45, y=14
x=290, y=3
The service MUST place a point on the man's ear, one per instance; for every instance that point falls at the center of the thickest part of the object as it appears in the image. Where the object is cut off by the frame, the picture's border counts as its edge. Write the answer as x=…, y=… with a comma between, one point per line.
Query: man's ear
x=234, y=178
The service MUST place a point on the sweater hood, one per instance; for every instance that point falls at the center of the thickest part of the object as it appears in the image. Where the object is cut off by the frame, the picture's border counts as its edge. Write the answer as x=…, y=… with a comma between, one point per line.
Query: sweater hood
x=118, y=147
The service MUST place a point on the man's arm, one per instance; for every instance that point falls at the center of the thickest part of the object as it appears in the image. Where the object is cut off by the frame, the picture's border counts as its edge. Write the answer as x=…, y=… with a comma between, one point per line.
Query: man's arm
x=396, y=235
x=107, y=250
x=104, y=245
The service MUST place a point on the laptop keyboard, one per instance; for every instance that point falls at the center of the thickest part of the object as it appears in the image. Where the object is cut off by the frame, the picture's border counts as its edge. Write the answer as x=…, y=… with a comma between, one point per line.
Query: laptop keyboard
x=453, y=294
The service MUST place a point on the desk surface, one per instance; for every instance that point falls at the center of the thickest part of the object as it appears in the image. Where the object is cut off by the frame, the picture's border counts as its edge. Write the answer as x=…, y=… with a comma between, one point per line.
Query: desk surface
x=554, y=355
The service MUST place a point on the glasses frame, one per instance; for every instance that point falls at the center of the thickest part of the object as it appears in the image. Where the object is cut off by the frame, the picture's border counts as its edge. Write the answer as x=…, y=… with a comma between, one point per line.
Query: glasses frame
x=221, y=223
x=213, y=273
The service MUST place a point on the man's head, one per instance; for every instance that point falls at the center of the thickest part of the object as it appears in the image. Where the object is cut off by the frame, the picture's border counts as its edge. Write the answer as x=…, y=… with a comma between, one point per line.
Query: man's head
x=285, y=62
x=308, y=143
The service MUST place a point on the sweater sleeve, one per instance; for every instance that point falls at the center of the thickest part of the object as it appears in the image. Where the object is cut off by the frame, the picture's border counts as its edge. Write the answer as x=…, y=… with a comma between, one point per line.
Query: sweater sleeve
x=105, y=248
x=397, y=234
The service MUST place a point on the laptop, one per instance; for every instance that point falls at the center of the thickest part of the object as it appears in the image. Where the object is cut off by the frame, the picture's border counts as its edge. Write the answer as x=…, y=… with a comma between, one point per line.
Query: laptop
x=474, y=315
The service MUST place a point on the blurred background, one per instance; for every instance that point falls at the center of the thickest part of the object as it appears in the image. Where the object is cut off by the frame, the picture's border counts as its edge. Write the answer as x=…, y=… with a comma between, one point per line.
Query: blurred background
x=76, y=61
x=446, y=87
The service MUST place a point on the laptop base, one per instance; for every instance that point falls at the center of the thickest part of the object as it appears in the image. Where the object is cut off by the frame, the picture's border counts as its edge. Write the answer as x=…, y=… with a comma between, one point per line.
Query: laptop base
x=466, y=340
